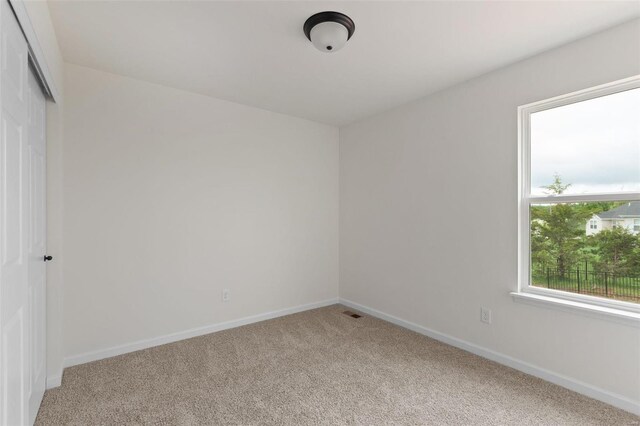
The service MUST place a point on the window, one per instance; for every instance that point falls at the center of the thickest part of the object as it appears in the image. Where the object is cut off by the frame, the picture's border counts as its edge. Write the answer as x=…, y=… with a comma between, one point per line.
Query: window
x=580, y=161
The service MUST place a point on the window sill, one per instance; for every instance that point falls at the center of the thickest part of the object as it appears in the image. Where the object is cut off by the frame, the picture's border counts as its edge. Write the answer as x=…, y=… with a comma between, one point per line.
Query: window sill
x=610, y=314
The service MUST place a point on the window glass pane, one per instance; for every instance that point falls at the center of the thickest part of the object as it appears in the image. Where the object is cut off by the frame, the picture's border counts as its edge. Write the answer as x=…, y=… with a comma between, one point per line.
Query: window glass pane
x=587, y=147
x=569, y=254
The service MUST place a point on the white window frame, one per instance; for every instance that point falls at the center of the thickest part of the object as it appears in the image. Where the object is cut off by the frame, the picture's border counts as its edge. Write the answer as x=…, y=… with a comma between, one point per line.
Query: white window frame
x=593, y=224
x=525, y=199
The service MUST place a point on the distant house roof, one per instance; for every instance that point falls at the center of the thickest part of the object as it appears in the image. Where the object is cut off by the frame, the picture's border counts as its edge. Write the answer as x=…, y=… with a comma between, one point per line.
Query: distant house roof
x=630, y=209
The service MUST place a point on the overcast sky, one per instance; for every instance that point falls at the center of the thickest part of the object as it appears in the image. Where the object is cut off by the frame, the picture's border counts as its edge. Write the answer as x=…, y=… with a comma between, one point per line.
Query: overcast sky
x=594, y=145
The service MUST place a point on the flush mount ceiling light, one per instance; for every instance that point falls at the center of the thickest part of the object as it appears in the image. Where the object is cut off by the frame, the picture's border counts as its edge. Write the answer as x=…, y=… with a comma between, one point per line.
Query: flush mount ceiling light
x=329, y=31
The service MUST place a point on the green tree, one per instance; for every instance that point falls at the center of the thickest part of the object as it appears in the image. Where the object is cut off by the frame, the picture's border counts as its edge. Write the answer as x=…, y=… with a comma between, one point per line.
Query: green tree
x=557, y=187
x=618, y=250
x=633, y=260
x=557, y=231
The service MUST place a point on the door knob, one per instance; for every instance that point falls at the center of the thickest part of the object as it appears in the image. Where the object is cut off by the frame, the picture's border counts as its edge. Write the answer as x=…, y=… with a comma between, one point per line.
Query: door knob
x=46, y=258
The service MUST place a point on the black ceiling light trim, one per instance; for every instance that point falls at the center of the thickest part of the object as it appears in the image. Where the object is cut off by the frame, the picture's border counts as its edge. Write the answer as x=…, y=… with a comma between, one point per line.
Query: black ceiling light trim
x=321, y=17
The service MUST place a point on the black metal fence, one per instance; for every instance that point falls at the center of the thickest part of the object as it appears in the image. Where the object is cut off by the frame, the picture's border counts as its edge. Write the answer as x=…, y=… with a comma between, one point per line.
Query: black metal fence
x=585, y=281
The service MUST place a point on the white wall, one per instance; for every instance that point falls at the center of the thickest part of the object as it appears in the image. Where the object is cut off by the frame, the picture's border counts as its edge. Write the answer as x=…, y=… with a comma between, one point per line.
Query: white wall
x=410, y=176
x=171, y=197
x=40, y=19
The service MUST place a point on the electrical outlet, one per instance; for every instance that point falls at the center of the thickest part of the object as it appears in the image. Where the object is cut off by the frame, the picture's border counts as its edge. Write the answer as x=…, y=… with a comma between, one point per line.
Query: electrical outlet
x=485, y=315
x=225, y=295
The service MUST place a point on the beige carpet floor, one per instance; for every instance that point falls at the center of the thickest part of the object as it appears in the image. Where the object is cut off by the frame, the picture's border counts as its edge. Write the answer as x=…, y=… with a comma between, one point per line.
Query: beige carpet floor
x=317, y=367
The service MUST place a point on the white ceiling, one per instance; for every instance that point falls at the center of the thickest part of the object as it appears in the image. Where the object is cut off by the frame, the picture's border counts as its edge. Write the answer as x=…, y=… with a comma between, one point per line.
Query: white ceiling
x=255, y=53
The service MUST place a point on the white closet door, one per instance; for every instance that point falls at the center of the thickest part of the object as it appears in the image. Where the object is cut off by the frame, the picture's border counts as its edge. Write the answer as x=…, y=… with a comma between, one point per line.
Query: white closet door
x=14, y=223
x=37, y=244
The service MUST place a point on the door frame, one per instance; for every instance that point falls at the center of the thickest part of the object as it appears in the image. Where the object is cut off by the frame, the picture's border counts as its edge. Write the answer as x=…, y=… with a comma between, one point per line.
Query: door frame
x=43, y=73
x=26, y=16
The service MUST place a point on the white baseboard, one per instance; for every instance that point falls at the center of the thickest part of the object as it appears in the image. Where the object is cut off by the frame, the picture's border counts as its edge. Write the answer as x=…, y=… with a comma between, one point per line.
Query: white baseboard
x=194, y=332
x=54, y=381
x=558, y=379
